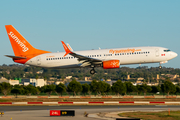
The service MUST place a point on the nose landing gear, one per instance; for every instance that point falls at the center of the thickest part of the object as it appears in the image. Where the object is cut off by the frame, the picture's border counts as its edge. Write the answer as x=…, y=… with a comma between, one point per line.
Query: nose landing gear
x=160, y=66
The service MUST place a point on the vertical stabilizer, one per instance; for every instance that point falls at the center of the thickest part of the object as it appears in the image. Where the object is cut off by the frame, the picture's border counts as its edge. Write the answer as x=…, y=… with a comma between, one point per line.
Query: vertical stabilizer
x=20, y=45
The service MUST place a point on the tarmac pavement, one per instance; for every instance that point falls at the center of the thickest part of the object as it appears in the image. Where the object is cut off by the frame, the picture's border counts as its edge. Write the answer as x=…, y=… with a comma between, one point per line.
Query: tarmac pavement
x=42, y=112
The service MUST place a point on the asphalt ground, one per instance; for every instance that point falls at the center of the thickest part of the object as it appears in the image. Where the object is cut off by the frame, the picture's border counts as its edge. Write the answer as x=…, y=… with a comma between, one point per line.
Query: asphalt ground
x=42, y=112
x=119, y=107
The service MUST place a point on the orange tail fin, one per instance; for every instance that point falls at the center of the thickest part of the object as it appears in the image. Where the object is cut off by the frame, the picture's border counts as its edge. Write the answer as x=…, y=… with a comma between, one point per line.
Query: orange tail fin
x=20, y=45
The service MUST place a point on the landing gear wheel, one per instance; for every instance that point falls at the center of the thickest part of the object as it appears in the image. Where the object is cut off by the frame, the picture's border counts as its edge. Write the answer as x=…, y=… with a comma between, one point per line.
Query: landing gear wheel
x=92, y=71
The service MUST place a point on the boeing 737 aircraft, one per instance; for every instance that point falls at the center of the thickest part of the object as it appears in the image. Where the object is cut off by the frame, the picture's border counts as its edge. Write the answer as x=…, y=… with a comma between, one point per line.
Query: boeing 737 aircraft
x=25, y=53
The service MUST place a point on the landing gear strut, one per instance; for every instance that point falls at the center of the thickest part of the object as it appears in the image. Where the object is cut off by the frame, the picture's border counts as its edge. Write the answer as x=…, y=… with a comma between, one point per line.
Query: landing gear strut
x=160, y=66
x=92, y=71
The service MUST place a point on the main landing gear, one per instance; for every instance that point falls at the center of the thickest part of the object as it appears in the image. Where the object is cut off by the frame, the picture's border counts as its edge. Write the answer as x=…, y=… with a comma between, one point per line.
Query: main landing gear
x=92, y=71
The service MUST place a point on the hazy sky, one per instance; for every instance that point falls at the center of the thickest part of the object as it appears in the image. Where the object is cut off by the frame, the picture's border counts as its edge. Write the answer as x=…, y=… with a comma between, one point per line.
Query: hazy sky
x=92, y=24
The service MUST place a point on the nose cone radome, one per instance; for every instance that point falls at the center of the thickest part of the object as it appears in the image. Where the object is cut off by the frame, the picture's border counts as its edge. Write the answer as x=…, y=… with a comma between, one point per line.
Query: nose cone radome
x=173, y=54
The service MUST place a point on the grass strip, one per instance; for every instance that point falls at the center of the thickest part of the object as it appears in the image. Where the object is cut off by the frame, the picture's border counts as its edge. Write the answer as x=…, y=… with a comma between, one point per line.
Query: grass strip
x=164, y=115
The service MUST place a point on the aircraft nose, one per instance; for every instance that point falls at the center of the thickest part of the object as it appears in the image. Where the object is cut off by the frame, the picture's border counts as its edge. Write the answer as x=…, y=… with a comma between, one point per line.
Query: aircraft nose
x=173, y=54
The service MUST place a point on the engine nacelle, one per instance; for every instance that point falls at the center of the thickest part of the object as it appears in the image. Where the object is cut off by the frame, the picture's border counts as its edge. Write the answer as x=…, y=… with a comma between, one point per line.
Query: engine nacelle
x=110, y=64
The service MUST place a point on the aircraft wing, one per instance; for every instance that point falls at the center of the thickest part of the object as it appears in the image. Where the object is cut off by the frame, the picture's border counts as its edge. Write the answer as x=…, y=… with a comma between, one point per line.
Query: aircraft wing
x=86, y=61
x=81, y=57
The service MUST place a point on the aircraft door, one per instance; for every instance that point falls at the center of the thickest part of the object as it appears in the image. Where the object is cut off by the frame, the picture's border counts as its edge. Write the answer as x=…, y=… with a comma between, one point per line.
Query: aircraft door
x=157, y=52
x=38, y=60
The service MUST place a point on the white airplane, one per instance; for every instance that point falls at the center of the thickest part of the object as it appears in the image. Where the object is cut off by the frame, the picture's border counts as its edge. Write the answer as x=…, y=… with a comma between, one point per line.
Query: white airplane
x=26, y=54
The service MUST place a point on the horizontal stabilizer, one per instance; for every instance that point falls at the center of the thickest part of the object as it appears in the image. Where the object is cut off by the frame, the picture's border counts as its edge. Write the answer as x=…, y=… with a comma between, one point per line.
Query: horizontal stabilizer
x=15, y=57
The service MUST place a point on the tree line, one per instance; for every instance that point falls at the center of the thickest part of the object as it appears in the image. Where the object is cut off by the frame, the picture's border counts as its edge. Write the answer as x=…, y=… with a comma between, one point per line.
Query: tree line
x=20, y=71
x=96, y=87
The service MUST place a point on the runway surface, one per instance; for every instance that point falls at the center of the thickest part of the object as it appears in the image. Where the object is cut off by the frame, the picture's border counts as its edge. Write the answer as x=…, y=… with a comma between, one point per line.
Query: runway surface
x=42, y=112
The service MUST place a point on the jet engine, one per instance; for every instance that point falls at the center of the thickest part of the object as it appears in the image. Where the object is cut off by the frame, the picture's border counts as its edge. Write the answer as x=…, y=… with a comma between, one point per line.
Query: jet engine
x=110, y=64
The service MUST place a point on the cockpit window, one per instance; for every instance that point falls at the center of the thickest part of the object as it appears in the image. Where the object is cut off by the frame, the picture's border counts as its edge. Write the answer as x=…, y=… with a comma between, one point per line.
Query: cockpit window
x=167, y=50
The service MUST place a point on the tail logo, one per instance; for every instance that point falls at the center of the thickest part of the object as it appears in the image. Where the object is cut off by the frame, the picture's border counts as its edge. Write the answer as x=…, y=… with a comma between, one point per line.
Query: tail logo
x=16, y=39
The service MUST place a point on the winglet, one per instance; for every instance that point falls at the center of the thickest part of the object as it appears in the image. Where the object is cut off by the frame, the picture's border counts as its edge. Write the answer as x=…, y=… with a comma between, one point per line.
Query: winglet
x=66, y=48
x=69, y=47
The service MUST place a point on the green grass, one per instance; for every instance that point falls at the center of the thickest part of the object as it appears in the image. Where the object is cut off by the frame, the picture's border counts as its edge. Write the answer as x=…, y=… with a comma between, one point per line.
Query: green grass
x=2, y=100
x=174, y=115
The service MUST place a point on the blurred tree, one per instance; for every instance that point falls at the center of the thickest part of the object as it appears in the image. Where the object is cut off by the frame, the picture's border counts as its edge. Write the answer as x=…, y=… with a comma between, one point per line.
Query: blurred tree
x=60, y=88
x=146, y=88
x=29, y=89
x=119, y=87
x=85, y=88
x=129, y=87
x=168, y=87
x=5, y=88
x=16, y=91
x=177, y=89
x=94, y=86
x=155, y=89
x=74, y=87
x=49, y=89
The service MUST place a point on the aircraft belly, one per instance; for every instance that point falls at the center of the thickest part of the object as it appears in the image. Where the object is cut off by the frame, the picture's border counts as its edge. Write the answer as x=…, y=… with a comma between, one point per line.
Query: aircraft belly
x=61, y=64
x=135, y=59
